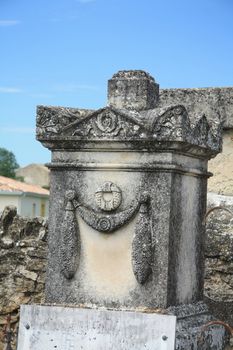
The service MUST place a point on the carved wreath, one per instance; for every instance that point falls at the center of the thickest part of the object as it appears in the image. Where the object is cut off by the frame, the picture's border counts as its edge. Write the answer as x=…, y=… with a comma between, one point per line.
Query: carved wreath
x=113, y=200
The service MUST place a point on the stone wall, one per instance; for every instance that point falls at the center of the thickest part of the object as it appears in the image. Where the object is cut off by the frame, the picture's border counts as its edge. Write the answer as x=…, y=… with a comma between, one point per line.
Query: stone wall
x=210, y=101
x=219, y=257
x=214, y=103
x=222, y=167
x=23, y=250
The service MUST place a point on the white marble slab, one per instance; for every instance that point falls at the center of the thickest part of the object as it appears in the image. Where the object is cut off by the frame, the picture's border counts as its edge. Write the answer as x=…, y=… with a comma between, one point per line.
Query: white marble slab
x=68, y=328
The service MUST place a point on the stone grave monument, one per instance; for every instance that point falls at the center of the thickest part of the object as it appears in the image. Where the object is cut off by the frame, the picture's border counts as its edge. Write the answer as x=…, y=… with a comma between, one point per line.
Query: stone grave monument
x=127, y=206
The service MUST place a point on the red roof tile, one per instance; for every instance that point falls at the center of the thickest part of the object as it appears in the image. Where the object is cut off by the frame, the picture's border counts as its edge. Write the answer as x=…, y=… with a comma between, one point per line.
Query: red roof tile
x=11, y=185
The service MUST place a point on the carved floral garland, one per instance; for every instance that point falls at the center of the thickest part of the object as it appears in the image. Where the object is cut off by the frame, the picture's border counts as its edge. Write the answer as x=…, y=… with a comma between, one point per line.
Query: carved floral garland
x=107, y=223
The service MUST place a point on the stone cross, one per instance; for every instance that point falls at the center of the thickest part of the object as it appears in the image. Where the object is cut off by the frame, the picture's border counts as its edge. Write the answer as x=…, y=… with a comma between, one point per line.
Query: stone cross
x=128, y=200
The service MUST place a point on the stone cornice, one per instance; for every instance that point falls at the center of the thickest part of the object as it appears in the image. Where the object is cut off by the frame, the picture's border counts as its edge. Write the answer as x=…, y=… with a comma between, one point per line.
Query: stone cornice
x=167, y=126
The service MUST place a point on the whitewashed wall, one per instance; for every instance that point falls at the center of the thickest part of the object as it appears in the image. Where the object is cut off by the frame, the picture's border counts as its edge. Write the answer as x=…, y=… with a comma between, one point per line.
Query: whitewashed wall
x=8, y=200
x=28, y=205
x=31, y=206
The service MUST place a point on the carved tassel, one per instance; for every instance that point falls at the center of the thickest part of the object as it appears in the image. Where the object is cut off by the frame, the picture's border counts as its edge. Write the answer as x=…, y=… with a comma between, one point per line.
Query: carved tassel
x=70, y=239
x=142, y=245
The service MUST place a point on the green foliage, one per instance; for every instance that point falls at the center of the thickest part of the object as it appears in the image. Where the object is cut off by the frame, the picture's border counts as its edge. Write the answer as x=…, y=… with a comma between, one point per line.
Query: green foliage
x=8, y=163
x=19, y=178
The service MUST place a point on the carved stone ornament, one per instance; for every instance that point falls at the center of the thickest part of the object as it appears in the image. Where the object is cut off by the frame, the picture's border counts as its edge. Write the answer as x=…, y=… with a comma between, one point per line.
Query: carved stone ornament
x=163, y=124
x=107, y=223
x=70, y=239
x=108, y=196
x=142, y=243
x=107, y=123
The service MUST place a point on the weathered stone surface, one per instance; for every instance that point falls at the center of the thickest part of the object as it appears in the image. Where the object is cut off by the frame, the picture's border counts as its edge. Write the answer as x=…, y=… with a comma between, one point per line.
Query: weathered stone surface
x=133, y=90
x=219, y=259
x=220, y=229
x=16, y=289
x=158, y=150
x=165, y=127
x=7, y=217
x=222, y=167
x=161, y=147
x=135, y=115
x=214, y=200
x=78, y=328
x=211, y=101
x=141, y=252
x=54, y=120
x=22, y=259
x=190, y=329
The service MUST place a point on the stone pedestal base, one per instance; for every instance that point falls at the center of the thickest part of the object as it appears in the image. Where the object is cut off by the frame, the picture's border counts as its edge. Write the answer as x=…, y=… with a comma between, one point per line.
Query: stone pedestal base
x=191, y=332
x=56, y=326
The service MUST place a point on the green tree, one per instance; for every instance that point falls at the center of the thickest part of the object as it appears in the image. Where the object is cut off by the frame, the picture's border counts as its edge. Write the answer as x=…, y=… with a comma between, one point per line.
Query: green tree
x=8, y=163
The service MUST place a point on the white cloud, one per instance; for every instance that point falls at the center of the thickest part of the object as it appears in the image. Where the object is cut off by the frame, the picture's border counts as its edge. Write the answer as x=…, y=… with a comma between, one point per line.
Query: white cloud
x=18, y=129
x=9, y=90
x=8, y=23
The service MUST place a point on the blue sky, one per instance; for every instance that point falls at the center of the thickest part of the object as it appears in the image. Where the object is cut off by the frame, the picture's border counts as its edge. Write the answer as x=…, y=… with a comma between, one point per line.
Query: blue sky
x=62, y=52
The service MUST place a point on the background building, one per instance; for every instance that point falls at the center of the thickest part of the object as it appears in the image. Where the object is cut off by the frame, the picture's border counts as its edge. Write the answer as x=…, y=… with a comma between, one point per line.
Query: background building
x=30, y=200
x=34, y=174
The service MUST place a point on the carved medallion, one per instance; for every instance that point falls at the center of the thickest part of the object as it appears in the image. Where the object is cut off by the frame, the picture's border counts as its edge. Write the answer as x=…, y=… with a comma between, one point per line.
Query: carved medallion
x=107, y=122
x=108, y=196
